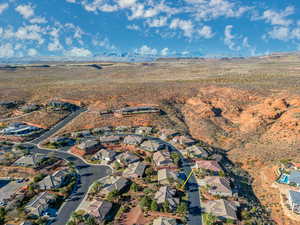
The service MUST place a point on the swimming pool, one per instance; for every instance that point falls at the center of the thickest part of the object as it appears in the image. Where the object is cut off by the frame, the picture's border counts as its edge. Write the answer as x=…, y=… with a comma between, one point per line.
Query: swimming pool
x=3, y=183
x=284, y=179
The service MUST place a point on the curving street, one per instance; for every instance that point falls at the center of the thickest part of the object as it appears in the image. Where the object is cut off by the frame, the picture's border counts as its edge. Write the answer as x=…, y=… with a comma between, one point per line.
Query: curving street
x=87, y=173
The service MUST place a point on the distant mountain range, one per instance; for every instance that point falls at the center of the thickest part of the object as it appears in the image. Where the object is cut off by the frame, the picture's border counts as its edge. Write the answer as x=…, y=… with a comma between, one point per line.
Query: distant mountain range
x=129, y=57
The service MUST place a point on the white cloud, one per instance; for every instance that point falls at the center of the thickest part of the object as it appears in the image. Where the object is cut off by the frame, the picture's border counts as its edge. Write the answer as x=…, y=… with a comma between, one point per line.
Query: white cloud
x=29, y=32
x=78, y=52
x=133, y=27
x=126, y=3
x=18, y=46
x=26, y=11
x=38, y=20
x=145, y=50
x=108, y=8
x=159, y=22
x=211, y=9
x=206, y=32
x=280, y=33
x=164, y=52
x=246, y=42
x=3, y=7
x=229, y=38
x=279, y=18
x=104, y=43
x=185, y=25
x=55, y=45
x=71, y=1
x=32, y=52
x=6, y=50
x=184, y=53
x=284, y=33
x=69, y=41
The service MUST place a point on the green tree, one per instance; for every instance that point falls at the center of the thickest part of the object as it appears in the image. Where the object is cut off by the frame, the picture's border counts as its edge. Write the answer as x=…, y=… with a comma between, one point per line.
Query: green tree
x=175, y=157
x=113, y=195
x=149, y=171
x=134, y=187
x=117, y=165
x=90, y=221
x=182, y=208
x=166, y=206
x=145, y=202
x=209, y=219
x=38, y=177
x=2, y=216
x=97, y=186
x=154, y=206
x=230, y=221
x=76, y=217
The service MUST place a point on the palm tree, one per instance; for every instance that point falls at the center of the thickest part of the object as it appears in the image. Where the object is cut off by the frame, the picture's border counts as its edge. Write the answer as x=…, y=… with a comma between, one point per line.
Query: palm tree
x=76, y=217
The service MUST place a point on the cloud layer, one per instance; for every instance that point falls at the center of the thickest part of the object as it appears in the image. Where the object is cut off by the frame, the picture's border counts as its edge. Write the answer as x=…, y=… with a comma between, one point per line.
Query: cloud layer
x=76, y=28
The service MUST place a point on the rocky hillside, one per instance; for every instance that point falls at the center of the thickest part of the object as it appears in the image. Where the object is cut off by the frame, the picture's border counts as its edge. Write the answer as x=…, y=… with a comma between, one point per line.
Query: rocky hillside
x=230, y=117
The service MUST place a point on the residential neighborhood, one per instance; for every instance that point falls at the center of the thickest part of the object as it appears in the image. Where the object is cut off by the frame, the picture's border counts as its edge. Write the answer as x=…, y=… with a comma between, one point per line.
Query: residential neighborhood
x=161, y=176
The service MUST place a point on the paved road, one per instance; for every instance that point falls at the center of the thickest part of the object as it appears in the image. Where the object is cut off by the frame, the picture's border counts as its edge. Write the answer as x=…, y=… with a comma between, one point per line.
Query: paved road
x=58, y=126
x=87, y=174
x=194, y=216
x=90, y=173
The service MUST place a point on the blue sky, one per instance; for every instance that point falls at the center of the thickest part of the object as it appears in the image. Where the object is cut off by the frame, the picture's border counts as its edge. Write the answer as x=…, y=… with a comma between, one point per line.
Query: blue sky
x=159, y=28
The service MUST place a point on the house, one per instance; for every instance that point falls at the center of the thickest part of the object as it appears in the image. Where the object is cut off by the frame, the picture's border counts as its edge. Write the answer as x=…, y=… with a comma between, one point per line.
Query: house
x=135, y=170
x=3, y=158
x=133, y=140
x=105, y=155
x=184, y=140
x=56, y=180
x=143, y=130
x=208, y=165
x=102, y=130
x=137, y=110
x=218, y=186
x=39, y=204
x=26, y=223
x=163, y=159
x=122, y=129
x=164, y=221
x=20, y=129
x=29, y=108
x=114, y=183
x=10, y=190
x=81, y=134
x=127, y=158
x=86, y=147
x=152, y=145
x=166, y=176
x=294, y=200
x=99, y=209
x=8, y=104
x=294, y=178
x=30, y=160
x=168, y=134
x=195, y=151
x=60, y=140
x=110, y=139
x=167, y=194
x=222, y=209
x=60, y=105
